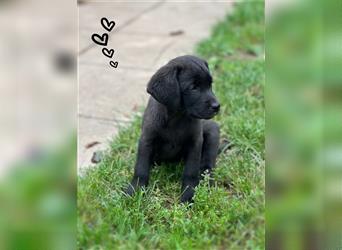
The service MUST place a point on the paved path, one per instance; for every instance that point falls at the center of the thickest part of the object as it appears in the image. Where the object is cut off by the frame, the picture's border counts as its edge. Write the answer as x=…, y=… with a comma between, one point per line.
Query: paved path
x=145, y=37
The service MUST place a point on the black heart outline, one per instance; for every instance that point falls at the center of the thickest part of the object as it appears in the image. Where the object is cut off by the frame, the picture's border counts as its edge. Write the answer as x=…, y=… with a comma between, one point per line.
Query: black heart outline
x=108, y=52
x=107, y=25
x=114, y=64
x=103, y=39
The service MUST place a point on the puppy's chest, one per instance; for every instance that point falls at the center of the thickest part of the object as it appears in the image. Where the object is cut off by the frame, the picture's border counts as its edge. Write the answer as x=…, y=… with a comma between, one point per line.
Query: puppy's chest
x=175, y=135
x=170, y=143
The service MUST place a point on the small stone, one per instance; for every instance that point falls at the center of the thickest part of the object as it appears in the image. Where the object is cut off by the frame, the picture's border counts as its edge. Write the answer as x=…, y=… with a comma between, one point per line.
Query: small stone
x=97, y=157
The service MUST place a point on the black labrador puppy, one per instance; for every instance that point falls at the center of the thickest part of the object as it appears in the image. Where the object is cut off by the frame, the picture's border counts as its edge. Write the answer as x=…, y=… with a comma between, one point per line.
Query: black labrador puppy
x=176, y=123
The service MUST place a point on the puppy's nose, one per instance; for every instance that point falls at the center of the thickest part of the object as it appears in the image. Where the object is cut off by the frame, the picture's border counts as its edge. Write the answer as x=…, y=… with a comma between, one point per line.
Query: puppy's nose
x=215, y=106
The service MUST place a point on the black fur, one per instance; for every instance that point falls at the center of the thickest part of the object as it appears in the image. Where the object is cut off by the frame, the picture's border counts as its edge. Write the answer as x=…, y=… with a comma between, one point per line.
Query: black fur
x=176, y=123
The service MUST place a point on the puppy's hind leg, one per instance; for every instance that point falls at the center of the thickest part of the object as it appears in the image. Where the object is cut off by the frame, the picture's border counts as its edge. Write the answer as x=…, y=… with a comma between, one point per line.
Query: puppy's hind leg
x=211, y=140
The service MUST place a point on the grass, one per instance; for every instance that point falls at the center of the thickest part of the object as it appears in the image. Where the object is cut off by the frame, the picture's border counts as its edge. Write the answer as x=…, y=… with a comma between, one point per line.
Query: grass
x=38, y=200
x=228, y=215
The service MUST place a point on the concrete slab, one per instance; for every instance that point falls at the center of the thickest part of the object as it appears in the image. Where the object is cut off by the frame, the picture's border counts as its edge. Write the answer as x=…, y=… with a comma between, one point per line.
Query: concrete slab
x=109, y=93
x=135, y=51
x=123, y=13
x=91, y=131
x=193, y=18
x=182, y=45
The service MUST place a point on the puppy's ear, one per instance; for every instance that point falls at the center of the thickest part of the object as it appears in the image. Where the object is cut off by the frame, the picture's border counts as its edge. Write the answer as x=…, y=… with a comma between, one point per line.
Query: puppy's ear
x=164, y=86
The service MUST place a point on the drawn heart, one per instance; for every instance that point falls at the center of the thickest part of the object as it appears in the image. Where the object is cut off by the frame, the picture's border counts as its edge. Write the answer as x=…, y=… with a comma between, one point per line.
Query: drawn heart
x=106, y=24
x=108, y=52
x=100, y=40
x=113, y=64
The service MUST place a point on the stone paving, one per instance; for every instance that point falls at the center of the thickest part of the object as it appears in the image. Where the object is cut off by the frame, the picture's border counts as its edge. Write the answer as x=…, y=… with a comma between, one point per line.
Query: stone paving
x=146, y=36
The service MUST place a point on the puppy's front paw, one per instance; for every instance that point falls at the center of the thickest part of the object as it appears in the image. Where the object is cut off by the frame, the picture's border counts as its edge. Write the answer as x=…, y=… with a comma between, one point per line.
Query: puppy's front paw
x=188, y=195
x=130, y=190
x=135, y=185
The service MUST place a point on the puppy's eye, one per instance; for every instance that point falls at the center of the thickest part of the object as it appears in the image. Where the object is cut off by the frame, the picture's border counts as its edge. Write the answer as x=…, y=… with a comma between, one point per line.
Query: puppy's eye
x=193, y=87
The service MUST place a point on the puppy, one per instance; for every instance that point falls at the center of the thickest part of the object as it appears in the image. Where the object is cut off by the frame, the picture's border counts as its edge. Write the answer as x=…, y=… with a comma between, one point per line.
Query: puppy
x=176, y=123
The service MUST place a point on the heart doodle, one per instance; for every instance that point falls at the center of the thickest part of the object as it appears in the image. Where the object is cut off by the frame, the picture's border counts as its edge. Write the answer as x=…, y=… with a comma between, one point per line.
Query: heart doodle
x=108, y=52
x=113, y=64
x=100, y=40
x=106, y=24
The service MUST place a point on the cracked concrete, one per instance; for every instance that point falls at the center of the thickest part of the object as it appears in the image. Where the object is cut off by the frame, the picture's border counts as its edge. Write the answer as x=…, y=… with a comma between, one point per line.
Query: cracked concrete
x=143, y=41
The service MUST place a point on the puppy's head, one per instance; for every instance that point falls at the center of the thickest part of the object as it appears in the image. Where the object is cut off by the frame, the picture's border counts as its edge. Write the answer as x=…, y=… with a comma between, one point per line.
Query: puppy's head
x=184, y=84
